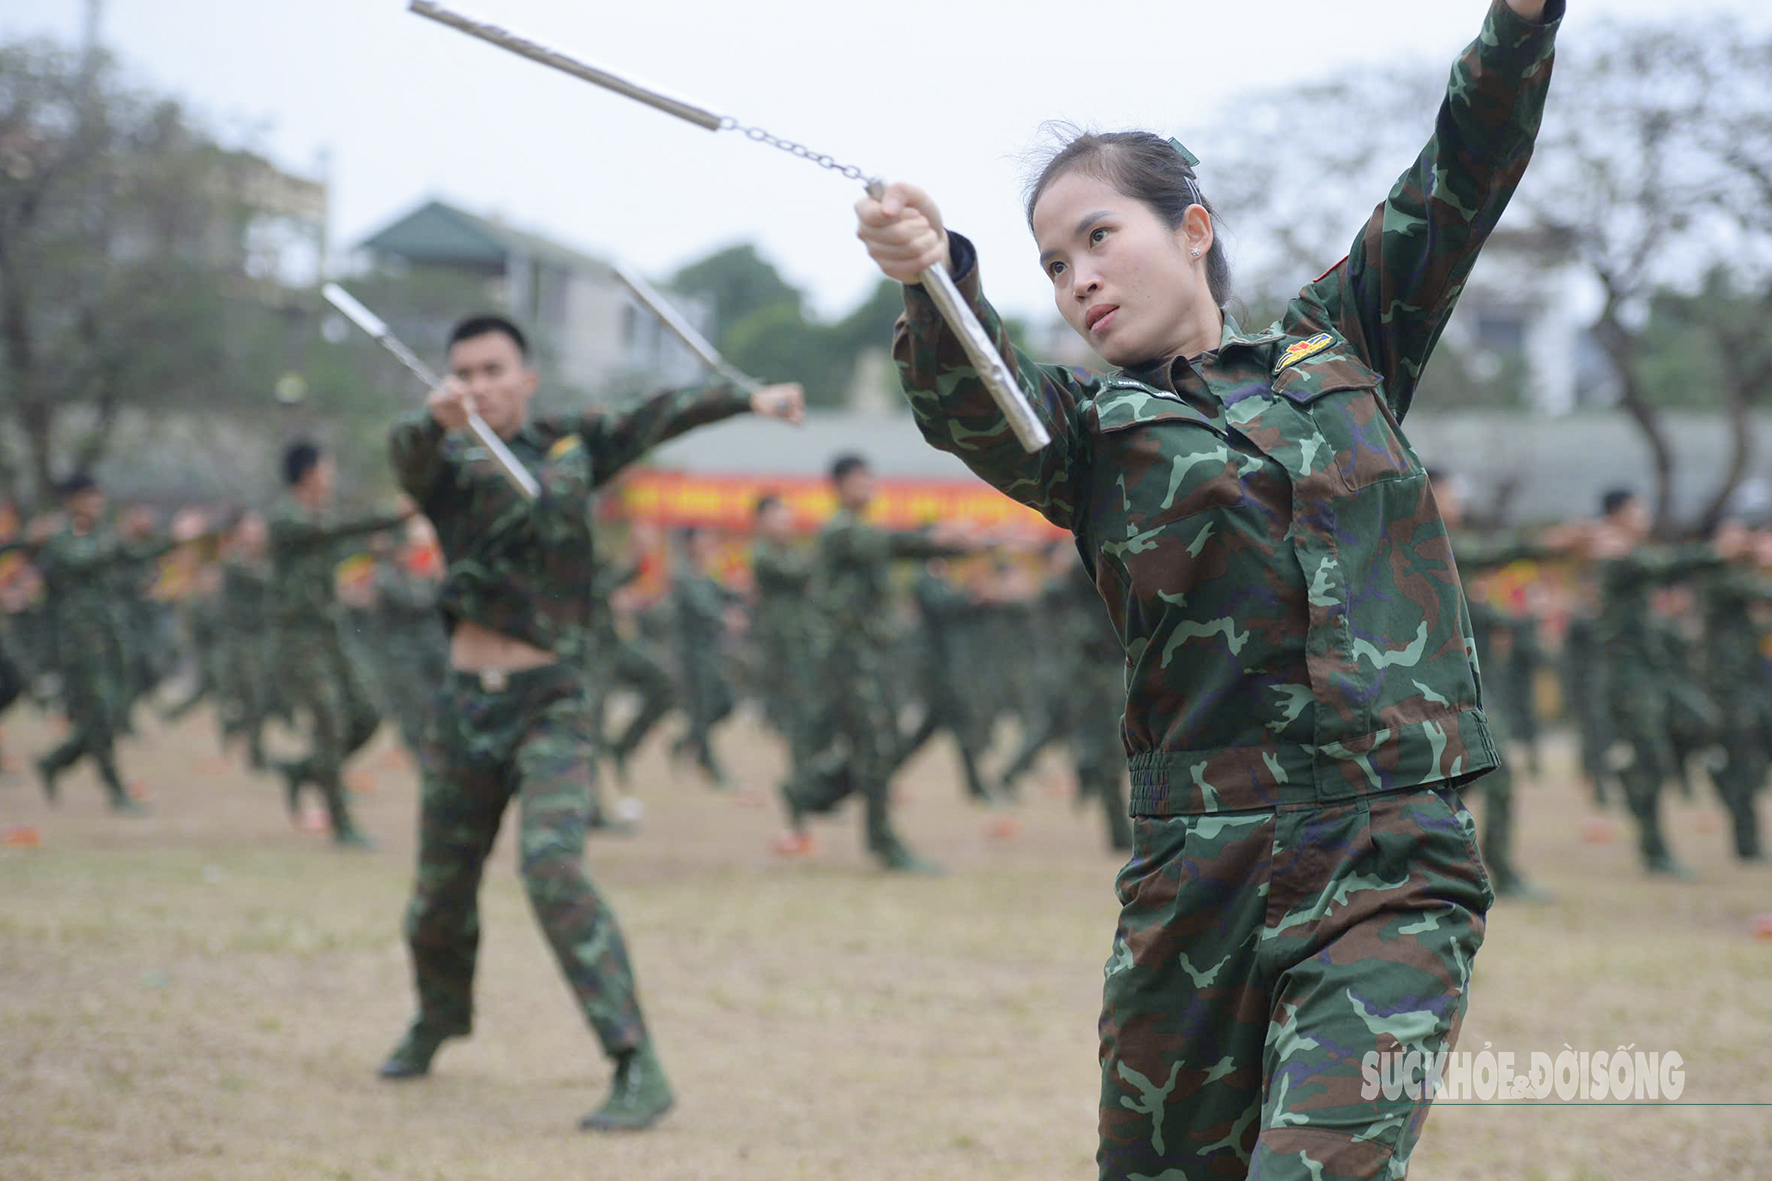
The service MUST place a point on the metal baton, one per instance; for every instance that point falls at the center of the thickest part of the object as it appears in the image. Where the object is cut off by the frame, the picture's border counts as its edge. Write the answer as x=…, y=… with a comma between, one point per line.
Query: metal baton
x=683, y=330
x=1029, y=430
x=377, y=328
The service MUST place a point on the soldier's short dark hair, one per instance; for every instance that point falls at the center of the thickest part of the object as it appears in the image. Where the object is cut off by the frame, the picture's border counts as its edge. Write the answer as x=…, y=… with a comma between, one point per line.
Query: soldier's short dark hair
x=765, y=502
x=1614, y=499
x=845, y=464
x=299, y=458
x=1437, y=475
x=485, y=324
x=1145, y=167
x=75, y=484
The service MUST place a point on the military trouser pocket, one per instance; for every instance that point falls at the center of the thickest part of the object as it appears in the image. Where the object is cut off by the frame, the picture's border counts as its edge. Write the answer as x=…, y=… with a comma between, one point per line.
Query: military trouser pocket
x=1459, y=812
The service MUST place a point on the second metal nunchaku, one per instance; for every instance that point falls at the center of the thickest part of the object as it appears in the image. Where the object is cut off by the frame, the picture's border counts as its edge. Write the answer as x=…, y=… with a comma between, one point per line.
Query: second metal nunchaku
x=378, y=329
x=683, y=330
x=992, y=370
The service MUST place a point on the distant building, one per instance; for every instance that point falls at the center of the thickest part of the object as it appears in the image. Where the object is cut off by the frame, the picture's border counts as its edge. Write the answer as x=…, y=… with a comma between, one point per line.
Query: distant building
x=591, y=333
x=1524, y=309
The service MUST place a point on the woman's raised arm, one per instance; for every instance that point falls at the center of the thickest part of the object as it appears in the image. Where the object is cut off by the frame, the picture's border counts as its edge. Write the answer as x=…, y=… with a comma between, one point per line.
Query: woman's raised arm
x=1392, y=295
x=904, y=235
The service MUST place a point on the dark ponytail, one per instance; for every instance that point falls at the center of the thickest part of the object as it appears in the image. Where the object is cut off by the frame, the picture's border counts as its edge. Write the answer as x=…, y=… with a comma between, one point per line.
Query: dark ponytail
x=1147, y=168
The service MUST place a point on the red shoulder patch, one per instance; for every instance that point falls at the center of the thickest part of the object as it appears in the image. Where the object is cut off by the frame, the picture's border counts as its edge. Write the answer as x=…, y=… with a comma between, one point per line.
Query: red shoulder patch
x=1330, y=271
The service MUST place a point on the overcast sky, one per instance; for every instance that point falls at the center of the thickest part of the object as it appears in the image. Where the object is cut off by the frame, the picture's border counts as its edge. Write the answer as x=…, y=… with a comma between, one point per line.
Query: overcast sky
x=947, y=93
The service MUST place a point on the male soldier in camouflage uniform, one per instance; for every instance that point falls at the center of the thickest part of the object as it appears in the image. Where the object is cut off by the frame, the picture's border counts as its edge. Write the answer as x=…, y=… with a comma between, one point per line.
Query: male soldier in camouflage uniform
x=1476, y=558
x=307, y=544
x=1302, y=706
x=248, y=686
x=1734, y=645
x=1054, y=714
x=614, y=661
x=147, y=643
x=782, y=575
x=1583, y=678
x=1524, y=661
x=79, y=564
x=853, y=736
x=951, y=617
x=513, y=721
x=1098, y=690
x=202, y=612
x=1639, y=667
x=700, y=606
x=412, y=648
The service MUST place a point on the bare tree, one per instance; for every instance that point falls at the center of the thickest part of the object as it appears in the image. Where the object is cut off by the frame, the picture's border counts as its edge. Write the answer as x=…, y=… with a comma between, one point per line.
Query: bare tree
x=1653, y=169
x=123, y=260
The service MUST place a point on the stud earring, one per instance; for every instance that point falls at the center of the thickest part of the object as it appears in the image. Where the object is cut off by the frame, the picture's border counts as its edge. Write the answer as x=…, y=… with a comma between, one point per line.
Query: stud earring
x=1195, y=252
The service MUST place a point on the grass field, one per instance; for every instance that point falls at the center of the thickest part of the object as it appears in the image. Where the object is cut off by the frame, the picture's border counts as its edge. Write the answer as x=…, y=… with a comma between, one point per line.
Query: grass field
x=205, y=993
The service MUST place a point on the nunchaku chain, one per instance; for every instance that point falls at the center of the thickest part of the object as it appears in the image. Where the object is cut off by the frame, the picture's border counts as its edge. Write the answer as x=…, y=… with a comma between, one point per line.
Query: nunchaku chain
x=848, y=171
x=980, y=349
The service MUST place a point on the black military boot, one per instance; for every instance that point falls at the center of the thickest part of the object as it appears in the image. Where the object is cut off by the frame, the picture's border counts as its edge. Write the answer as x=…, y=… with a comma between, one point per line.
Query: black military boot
x=639, y=1097
x=412, y=1057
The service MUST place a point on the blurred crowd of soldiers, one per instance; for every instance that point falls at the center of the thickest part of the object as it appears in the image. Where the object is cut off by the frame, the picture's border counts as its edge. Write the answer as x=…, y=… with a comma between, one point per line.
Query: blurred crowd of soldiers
x=857, y=649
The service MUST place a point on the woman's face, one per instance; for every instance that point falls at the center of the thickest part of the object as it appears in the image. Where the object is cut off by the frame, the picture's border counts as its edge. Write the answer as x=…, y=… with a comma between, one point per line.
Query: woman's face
x=1123, y=280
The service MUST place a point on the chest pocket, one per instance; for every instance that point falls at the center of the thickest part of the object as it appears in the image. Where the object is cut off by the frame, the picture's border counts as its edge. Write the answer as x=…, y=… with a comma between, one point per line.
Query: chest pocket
x=1159, y=462
x=1351, y=432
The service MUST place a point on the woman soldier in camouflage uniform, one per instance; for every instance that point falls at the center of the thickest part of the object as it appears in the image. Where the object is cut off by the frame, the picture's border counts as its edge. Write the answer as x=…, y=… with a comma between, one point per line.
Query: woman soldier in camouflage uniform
x=1304, y=891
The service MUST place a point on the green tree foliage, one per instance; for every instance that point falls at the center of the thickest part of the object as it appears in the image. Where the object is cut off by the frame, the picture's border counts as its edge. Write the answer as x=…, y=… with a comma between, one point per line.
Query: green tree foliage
x=761, y=326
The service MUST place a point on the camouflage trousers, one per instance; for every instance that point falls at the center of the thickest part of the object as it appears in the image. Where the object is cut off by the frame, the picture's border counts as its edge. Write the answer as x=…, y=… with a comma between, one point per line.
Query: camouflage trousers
x=531, y=740
x=92, y=698
x=1260, y=955
x=707, y=701
x=848, y=747
x=1497, y=842
x=1639, y=715
x=1100, y=758
x=622, y=663
x=320, y=679
x=1744, y=734
x=945, y=709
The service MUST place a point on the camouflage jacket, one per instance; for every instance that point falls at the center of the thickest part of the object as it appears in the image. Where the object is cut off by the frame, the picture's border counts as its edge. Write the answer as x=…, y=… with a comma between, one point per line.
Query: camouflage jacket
x=851, y=579
x=306, y=547
x=1734, y=657
x=1261, y=530
x=80, y=573
x=699, y=602
x=246, y=592
x=1629, y=640
x=1483, y=555
x=521, y=568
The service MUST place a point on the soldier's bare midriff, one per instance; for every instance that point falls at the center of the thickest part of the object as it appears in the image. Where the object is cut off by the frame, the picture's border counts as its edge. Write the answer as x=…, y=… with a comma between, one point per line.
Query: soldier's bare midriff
x=473, y=648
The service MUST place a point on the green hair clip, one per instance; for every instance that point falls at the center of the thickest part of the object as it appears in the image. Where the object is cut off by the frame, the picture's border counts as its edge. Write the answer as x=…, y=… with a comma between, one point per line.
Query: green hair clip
x=1193, y=161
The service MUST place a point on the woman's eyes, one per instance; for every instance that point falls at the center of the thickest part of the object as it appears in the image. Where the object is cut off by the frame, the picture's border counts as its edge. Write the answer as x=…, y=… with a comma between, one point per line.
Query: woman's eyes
x=1096, y=237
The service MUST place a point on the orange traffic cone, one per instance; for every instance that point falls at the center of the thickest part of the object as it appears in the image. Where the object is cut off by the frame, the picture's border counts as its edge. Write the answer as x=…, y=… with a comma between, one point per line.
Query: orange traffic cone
x=794, y=844
x=21, y=836
x=1002, y=828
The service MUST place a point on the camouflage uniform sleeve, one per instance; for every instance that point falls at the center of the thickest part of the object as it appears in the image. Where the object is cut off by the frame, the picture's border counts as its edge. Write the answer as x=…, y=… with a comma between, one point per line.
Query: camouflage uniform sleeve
x=956, y=414
x=290, y=532
x=611, y=577
x=915, y=543
x=415, y=450
x=149, y=550
x=1391, y=297
x=1480, y=556
x=617, y=438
